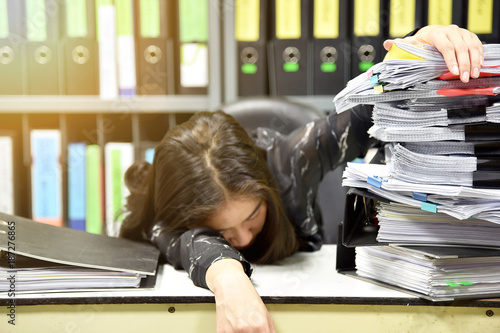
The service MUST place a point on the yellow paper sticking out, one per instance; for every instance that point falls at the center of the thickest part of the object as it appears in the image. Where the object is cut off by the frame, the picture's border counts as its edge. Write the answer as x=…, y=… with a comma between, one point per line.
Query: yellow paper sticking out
x=398, y=53
x=379, y=89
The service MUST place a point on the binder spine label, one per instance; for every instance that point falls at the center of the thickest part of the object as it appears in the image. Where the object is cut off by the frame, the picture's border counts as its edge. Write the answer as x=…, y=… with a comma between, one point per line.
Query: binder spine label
x=193, y=21
x=288, y=19
x=440, y=12
x=36, y=20
x=150, y=26
x=402, y=17
x=326, y=19
x=247, y=20
x=76, y=19
x=479, y=16
x=367, y=17
x=124, y=20
x=4, y=20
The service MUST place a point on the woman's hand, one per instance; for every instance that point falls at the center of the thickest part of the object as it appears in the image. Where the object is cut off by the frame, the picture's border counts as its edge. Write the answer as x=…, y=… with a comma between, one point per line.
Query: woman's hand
x=461, y=49
x=238, y=305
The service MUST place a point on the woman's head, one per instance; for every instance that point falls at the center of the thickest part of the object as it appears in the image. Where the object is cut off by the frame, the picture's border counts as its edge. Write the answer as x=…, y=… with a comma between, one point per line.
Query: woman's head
x=208, y=172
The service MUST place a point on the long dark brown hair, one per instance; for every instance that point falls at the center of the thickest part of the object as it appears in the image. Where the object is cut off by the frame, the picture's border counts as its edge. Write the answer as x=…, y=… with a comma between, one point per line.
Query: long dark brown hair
x=198, y=166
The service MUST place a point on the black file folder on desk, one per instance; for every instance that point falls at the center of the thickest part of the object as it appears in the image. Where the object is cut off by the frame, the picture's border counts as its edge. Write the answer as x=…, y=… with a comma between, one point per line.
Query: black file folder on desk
x=359, y=227
x=12, y=49
x=80, y=48
x=331, y=48
x=154, y=47
x=65, y=246
x=288, y=52
x=251, y=37
x=43, y=49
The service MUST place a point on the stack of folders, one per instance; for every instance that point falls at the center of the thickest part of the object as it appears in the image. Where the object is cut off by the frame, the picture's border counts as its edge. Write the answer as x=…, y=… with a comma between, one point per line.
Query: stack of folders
x=436, y=208
x=36, y=257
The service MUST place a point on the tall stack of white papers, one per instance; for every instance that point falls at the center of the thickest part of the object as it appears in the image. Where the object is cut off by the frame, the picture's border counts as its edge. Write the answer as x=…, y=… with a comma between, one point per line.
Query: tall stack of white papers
x=442, y=173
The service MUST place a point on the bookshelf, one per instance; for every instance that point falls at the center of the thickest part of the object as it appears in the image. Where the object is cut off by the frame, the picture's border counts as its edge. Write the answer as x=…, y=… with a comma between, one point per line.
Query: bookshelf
x=230, y=69
x=94, y=104
x=141, y=120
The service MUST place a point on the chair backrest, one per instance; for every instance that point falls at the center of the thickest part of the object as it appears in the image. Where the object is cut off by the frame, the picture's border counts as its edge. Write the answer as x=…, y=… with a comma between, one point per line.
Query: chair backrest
x=275, y=113
x=284, y=116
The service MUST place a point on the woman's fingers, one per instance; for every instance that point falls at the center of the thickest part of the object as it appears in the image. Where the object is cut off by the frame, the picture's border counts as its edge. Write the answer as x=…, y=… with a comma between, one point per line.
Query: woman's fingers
x=461, y=49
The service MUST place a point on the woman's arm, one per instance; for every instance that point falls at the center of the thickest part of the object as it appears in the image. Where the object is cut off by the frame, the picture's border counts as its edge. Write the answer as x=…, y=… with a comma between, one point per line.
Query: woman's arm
x=195, y=250
x=239, y=307
x=212, y=263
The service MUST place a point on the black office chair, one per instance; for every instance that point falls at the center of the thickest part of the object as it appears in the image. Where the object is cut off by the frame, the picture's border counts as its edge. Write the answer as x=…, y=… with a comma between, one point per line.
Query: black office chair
x=276, y=113
x=283, y=115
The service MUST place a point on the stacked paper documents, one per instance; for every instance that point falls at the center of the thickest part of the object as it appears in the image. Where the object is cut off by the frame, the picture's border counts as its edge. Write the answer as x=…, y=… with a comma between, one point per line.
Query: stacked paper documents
x=460, y=202
x=404, y=224
x=429, y=112
x=441, y=176
x=439, y=272
x=416, y=71
x=32, y=275
x=40, y=258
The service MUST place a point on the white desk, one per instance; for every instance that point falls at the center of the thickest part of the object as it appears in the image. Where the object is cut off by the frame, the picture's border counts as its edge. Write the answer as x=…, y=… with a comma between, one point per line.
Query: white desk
x=304, y=294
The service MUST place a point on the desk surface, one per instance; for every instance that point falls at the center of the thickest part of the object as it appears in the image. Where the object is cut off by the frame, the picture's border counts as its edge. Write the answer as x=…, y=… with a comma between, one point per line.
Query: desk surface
x=306, y=278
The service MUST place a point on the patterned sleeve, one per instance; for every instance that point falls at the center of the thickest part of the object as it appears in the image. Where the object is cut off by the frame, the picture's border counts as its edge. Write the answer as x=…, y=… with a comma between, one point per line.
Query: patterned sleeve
x=195, y=250
x=300, y=160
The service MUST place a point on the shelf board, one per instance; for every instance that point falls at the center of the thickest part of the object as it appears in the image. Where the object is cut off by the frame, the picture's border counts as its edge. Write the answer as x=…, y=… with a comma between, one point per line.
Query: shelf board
x=94, y=104
x=321, y=102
